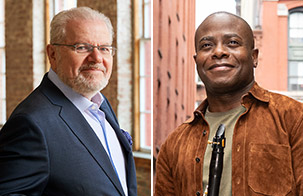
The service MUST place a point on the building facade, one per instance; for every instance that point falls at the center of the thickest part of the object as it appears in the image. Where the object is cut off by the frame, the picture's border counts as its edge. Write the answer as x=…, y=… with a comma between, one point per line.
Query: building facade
x=173, y=66
x=278, y=29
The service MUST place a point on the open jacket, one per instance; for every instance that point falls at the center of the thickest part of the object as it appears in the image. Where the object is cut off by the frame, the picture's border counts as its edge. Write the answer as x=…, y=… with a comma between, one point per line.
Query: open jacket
x=267, y=150
x=48, y=148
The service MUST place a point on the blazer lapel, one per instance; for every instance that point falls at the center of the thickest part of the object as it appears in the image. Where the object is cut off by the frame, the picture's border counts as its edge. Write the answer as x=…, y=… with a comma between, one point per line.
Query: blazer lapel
x=129, y=161
x=82, y=130
x=111, y=118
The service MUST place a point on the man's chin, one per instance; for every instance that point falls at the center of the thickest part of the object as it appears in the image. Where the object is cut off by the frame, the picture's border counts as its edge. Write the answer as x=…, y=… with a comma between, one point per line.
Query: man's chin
x=87, y=91
x=89, y=85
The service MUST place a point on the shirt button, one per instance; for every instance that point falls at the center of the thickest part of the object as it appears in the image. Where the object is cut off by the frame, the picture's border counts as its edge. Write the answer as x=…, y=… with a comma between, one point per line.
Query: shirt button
x=204, y=132
x=198, y=193
x=197, y=159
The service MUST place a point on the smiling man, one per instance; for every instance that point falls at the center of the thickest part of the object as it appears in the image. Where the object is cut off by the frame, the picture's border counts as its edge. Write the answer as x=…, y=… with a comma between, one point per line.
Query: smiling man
x=264, y=130
x=64, y=138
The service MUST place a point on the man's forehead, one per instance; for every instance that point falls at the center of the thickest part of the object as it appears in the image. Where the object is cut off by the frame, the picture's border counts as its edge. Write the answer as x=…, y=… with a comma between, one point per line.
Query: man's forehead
x=222, y=16
x=223, y=34
x=221, y=20
x=223, y=31
x=224, y=23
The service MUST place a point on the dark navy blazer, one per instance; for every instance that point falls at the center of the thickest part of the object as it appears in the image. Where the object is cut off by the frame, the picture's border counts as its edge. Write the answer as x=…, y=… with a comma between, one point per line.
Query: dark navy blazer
x=48, y=148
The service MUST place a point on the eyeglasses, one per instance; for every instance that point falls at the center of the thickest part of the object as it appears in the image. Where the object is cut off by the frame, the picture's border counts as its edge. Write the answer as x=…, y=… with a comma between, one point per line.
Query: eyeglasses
x=87, y=48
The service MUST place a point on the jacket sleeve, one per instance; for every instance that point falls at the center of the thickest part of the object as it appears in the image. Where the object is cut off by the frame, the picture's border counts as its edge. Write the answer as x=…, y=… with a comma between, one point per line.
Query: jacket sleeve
x=24, y=161
x=164, y=180
x=296, y=142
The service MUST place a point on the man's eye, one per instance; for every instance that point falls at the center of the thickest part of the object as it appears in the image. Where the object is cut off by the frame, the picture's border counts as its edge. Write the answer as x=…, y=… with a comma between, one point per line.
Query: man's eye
x=83, y=48
x=205, y=45
x=233, y=42
x=104, y=49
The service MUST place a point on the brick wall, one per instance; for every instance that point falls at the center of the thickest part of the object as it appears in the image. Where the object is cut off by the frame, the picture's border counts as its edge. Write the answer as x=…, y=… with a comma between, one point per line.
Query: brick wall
x=19, y=47
x=143, y=169
x=174, y=68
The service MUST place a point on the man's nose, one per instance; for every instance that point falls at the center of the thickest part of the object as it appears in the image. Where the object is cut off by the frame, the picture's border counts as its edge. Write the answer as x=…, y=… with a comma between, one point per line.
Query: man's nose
x=220, y=51
x=95, y=56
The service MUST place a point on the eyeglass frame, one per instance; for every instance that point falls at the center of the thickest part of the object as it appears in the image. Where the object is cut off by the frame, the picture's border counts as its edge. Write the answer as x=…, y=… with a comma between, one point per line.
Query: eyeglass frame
x=112, y=49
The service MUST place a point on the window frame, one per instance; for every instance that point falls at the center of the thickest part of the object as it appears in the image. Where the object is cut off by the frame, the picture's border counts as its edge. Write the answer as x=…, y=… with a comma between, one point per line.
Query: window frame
x=2, y=69
x=290, y=50
x=139, y=27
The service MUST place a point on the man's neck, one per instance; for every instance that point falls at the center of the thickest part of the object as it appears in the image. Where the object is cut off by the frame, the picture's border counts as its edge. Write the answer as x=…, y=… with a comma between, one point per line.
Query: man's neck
x=226, y=101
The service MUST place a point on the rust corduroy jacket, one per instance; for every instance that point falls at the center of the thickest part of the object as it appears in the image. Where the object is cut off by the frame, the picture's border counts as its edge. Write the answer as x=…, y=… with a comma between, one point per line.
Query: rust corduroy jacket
x=267, y=150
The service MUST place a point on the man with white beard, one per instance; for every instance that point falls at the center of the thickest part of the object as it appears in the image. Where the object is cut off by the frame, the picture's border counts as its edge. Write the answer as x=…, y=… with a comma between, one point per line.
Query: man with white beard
x=64, y=138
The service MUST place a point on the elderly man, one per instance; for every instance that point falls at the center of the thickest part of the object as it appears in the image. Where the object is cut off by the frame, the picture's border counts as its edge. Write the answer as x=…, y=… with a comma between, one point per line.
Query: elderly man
x=264, y=130
x=64, y=138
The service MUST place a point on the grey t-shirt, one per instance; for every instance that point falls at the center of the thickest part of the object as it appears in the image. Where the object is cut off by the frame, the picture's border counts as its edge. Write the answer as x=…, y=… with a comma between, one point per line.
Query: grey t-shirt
x=214, y=119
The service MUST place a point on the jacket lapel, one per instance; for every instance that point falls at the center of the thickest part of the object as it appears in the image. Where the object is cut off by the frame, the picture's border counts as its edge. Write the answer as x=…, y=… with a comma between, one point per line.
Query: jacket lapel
x=129, y=161
x=81, y=129
x=111, y=118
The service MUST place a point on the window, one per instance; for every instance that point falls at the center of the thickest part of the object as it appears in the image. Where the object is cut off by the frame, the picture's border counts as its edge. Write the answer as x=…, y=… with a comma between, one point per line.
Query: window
x=143, y=76
x=53, y=7
x=59, y=5
x=2, y=66
x=295, y=50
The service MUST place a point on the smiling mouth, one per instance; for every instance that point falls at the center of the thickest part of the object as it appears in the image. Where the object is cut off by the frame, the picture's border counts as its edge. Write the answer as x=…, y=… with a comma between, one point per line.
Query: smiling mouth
x=222, y=66
x=92, y=69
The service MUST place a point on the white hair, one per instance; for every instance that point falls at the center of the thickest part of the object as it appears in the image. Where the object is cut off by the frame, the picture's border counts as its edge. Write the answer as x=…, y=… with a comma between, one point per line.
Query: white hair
x=58, y=24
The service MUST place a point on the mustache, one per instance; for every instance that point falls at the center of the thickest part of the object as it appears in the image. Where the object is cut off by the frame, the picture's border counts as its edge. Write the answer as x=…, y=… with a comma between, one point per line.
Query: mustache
x=93, y=66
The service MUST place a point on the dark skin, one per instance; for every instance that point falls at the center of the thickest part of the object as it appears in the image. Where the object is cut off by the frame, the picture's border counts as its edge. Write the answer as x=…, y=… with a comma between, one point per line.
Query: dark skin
x=225, y=58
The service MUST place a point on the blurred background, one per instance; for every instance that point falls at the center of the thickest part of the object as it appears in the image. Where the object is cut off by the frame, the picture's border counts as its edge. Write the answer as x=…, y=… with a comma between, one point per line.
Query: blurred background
x=177, y=90
x=24, y=33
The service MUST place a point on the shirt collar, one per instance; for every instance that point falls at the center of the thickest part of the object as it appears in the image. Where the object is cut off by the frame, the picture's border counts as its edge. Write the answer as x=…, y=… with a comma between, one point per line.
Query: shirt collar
x=81, y=102
x=256, y=92
x=259, y=93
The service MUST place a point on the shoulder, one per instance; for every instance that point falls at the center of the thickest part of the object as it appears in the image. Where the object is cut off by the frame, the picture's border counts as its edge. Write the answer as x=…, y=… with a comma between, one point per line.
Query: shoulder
x=36, y=104
x=284, y=103
x=276, y=101
x=287, y=110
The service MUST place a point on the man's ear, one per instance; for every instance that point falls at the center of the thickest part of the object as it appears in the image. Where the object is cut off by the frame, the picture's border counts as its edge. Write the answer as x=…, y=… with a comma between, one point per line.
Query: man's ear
x=255, y=54
x=51, y=53
x=195, y=56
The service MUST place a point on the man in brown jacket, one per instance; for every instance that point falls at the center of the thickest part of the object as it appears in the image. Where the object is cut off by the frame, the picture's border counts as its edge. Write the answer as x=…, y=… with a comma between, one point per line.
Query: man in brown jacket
x=264, y=130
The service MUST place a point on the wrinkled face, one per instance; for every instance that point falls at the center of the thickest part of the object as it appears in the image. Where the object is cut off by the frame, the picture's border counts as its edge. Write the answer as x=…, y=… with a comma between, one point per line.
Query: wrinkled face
x=225, y=56
x=86, y=73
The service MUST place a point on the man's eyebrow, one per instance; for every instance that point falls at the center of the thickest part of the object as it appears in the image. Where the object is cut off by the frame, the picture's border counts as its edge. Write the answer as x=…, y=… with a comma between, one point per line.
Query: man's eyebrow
x=230, y=35
x=206, y=38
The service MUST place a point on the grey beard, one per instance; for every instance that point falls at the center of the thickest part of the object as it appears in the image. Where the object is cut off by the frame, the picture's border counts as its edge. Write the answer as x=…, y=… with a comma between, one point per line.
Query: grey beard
x=83, y=85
